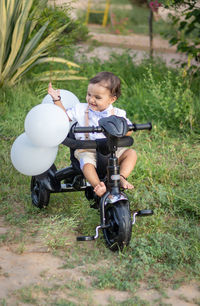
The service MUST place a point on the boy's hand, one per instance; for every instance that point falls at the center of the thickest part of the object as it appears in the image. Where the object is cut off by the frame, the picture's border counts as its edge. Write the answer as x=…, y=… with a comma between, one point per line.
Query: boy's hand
x=55, y=94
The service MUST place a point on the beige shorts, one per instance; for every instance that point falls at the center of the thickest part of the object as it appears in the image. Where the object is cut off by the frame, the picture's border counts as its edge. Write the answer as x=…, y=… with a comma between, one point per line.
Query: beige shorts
x=89, y=156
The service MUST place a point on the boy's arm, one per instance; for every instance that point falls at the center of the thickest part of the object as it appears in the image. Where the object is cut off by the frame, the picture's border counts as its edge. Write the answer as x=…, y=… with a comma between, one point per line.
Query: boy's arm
x=55, y=94
x=129, y=122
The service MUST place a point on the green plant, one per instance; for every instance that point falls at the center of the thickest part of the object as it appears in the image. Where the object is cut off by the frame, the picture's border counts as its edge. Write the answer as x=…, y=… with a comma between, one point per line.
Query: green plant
x=3, y=302
x=57, y=17
x=187, y=35
x=118, y=25
x=26, y=296
x=20, y=50
x=173, y=100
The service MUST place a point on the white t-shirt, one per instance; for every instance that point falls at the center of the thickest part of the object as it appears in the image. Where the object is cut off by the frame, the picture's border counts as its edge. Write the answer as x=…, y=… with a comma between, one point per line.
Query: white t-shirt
x=77, y=113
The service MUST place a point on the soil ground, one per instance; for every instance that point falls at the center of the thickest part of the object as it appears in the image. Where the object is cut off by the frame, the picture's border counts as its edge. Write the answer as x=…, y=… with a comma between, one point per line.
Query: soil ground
x=137, y=47
x=31, y=275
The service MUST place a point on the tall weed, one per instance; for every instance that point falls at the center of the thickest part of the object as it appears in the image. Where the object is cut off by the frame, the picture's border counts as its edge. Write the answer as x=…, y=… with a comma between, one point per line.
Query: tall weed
x=169, y=100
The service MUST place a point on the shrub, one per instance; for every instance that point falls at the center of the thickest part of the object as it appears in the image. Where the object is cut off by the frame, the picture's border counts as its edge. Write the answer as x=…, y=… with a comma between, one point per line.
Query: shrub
x=57, y=17
x=22, y=45
x=170, y=99
x=139, y=2
x=186, y=37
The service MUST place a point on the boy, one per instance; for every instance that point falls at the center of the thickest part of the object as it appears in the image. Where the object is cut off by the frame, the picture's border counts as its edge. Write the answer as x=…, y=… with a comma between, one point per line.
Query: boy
x=103, y=91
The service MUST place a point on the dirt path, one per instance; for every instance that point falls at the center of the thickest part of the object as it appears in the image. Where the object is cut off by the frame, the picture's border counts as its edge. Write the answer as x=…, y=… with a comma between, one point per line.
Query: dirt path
x=31, y=275
x=136, y=45
x=132, y=41
x=104, y=52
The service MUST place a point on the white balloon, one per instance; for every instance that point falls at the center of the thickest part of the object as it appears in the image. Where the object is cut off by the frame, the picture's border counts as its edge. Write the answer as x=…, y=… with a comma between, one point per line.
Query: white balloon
x=46, y=125
x=29, y=159
x=67, y=97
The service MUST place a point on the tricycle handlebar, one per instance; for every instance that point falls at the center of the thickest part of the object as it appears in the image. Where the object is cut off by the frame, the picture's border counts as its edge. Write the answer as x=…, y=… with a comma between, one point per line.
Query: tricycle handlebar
x=97, y=129
x=93, y=144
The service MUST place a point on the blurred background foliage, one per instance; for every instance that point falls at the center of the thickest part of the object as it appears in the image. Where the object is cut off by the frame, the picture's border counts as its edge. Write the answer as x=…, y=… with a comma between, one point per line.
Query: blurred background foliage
x=29, y=31
x=180, y=25
x=75, y=32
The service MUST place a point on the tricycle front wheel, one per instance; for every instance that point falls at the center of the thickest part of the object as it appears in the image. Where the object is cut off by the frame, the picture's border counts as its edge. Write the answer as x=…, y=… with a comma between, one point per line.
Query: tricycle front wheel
x=118, y=217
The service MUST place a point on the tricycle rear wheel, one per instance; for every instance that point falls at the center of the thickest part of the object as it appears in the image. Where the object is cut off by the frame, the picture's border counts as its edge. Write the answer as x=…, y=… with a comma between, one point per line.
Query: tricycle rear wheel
x=39, y=194
x=118, y=234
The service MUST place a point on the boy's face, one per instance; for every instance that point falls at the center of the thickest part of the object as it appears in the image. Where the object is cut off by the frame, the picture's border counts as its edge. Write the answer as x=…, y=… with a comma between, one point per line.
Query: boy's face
x=99, y=97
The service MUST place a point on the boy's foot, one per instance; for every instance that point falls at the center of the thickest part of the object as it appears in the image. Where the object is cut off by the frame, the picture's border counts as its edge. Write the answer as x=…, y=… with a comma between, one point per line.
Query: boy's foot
x=125, y=184
x=100, y=189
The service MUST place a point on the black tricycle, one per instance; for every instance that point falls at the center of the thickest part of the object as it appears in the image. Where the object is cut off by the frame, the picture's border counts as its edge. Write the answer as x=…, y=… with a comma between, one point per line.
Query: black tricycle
x=114, y=207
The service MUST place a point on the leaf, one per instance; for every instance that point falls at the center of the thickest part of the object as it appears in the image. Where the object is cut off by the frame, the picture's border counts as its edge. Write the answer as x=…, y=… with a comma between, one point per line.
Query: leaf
x=59, y=78
x=173, y=41
x=182, y=25
x=17, y=34
x=3, y=25
x=60, y=72
x=57, y=60
x=49, y=39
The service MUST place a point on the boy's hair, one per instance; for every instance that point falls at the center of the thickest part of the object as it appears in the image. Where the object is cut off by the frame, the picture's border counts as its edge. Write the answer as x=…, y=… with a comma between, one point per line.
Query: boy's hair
x=109, y=81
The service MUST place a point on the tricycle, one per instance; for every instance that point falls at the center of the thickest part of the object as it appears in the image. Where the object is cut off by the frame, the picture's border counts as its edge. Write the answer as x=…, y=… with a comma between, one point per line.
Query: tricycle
x=114, y=207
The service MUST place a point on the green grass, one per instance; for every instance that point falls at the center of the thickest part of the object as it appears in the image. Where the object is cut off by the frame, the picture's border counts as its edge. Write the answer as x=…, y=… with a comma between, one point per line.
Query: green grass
x=127, y=21
x=115, y=2
x=165, y=247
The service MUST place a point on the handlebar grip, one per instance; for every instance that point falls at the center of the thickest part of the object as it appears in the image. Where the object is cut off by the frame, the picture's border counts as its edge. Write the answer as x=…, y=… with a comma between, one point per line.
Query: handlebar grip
x=136, y=127
x=125, y=141
x=87, y=129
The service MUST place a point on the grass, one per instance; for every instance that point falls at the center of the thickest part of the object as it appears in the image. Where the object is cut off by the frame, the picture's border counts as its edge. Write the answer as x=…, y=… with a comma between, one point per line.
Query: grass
x=115, y=2
x=127, y=21
x=164, y=250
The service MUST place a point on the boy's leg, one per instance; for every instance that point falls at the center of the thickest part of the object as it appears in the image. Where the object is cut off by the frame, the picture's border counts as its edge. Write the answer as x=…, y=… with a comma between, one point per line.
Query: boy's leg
x=127, y=163
x=87, y=161
x=91, y=176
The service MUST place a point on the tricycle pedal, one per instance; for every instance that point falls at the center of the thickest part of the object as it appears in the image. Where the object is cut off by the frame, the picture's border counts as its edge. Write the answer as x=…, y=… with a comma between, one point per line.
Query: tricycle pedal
x=144, y=213
x=85, y=238
x=89, y=238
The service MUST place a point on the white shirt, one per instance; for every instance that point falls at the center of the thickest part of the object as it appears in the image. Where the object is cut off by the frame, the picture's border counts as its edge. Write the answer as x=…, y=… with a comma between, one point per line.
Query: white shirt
x=77, y=113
